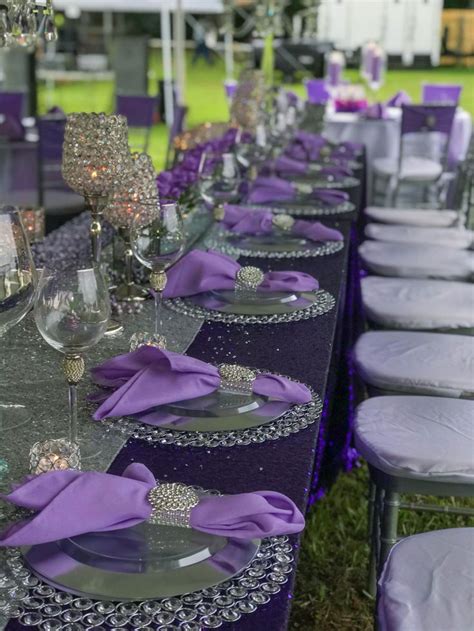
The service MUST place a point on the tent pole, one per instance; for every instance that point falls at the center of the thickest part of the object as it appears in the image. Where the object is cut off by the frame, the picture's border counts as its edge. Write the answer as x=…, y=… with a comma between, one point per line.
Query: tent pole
x=167, y=62
x=229, y=44
x=180, y=51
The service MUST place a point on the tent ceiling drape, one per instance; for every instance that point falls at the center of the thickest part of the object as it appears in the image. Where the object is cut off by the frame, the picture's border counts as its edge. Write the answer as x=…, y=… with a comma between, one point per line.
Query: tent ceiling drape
x=140, y=6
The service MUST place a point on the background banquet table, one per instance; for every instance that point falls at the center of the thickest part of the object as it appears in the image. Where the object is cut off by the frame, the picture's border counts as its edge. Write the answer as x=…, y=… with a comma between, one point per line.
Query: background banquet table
x=307, y=350
x=382, y=137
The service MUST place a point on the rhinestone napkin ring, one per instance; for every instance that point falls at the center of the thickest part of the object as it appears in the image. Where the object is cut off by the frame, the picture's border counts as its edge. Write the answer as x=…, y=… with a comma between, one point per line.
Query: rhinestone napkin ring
x=283, y=222
x=238, y=379
x=171, y=504
x=249, y=278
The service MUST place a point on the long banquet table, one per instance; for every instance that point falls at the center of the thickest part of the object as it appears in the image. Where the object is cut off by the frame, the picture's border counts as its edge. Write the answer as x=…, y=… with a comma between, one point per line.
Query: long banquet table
x=311, y=351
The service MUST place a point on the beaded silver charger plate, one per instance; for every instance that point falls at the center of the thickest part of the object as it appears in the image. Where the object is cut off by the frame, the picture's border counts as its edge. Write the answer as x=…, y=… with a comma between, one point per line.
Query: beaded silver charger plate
x=262, y=308
x=295, y=419
x=323, y=182
x=307, y=209
x=35, y=603
x=139, y=563
x=273, y=246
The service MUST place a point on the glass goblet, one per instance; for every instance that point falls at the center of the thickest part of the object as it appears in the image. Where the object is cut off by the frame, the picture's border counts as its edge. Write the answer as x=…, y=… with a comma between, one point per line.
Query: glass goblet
x=219, y=178
x=17, y=287
x=158, y=240
x=72, y=308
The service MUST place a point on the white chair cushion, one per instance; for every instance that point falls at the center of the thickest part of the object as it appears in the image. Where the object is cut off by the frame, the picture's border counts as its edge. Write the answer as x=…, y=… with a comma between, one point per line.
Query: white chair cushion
x=426, y=438
x=413, y=216
x=459, y=238
x=427, y=583
x=416, y=260
x=417, y=363
x=412, y=168
x=409, y=303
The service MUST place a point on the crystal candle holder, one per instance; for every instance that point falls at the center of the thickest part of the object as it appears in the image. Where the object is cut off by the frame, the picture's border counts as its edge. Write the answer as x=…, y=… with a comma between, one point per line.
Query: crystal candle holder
x=96, y=157
x=33, y=220
x=56, y=454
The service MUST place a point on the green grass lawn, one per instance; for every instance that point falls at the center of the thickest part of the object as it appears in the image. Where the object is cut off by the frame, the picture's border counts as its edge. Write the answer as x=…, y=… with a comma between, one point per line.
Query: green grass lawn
x=331, y=574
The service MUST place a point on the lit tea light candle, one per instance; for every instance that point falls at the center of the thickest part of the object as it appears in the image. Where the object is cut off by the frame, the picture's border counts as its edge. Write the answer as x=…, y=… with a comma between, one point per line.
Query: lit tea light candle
x=33, y=220
x=54, y=455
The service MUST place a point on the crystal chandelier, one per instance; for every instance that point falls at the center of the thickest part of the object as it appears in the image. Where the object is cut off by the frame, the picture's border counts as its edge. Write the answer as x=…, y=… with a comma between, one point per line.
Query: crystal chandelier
x=23, y=22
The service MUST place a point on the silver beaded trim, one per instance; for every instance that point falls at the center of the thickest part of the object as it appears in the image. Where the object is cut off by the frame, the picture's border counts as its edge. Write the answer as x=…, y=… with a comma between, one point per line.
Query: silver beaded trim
x=295, y=420
x=34, y=603
x=306, y=210
x=248, y=278
x=346, y=182
x=324, y=303
x=172, y=504
x=222, y=245
x=235, y=378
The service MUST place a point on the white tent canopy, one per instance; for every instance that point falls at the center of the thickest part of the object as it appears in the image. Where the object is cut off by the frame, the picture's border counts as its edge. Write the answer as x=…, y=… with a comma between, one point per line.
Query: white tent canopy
x=140, y=6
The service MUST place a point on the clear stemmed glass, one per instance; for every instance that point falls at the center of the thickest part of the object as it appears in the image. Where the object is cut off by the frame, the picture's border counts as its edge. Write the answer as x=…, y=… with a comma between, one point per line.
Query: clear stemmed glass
x=17, y=288
x=72, y=308
x=219, y=178
x=158, y=240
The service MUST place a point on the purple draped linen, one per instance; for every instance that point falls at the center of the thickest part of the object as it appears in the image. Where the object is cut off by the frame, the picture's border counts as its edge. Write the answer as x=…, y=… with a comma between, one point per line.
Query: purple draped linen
x=273, y=189
x=240, y=220
x=346, y=105
x=12, y=128
x=69, y=503
x=199, y=272
x=150, y=377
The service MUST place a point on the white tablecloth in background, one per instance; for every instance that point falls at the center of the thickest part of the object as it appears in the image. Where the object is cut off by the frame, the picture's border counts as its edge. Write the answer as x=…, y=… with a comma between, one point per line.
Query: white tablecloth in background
x=382, y=137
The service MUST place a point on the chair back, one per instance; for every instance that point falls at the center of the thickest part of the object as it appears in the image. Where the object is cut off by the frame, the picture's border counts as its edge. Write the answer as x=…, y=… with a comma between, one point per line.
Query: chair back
x=179, y=118
x=441, y=93
x=316, y=91
x=50, y=152
x=138, y=110
x=12, y=104
x=426, y=131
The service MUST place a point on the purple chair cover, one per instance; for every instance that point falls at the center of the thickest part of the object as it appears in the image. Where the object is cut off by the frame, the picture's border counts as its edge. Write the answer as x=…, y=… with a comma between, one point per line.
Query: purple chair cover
x=230, y=87
x=427, y=118
x=317, y=91
x=376, y=111
x=69, y=503
x=138, y=110
x=447, y=94
x=12, y=104
x=50, y=151
x=12, y=128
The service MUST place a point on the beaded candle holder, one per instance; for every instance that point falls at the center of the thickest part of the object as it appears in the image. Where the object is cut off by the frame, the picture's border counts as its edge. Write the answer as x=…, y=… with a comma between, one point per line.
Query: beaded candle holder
x=132, y=198
x=96, y=157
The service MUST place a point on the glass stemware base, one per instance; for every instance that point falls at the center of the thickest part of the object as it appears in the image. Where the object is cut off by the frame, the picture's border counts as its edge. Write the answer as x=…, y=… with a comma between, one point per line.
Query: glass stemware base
x=12, y=416
x=131, y=293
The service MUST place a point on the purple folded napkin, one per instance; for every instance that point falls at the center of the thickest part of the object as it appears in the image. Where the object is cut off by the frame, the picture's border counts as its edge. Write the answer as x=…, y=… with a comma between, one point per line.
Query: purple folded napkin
x=200, y=271
x=70, y=503
x=273, y=189
x=243, y=220
x=150, y=377
x=399, y=98
x=338, y=172
x=376, y=111
x=284, y=165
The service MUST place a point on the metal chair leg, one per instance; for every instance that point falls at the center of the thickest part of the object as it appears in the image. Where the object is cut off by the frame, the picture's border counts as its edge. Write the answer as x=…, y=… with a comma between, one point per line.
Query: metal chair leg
x=374, y=542
x=370, y=508
x=391, y=507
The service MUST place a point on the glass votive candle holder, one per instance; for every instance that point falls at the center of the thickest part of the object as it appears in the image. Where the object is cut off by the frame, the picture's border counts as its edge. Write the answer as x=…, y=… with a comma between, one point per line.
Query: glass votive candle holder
x=57, y=454
x=34, y=223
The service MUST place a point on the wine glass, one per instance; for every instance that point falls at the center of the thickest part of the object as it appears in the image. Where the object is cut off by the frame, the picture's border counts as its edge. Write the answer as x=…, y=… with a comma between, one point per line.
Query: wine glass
x=72, y=309
x=17, y=287
x=219, y=178
x=158, y=240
